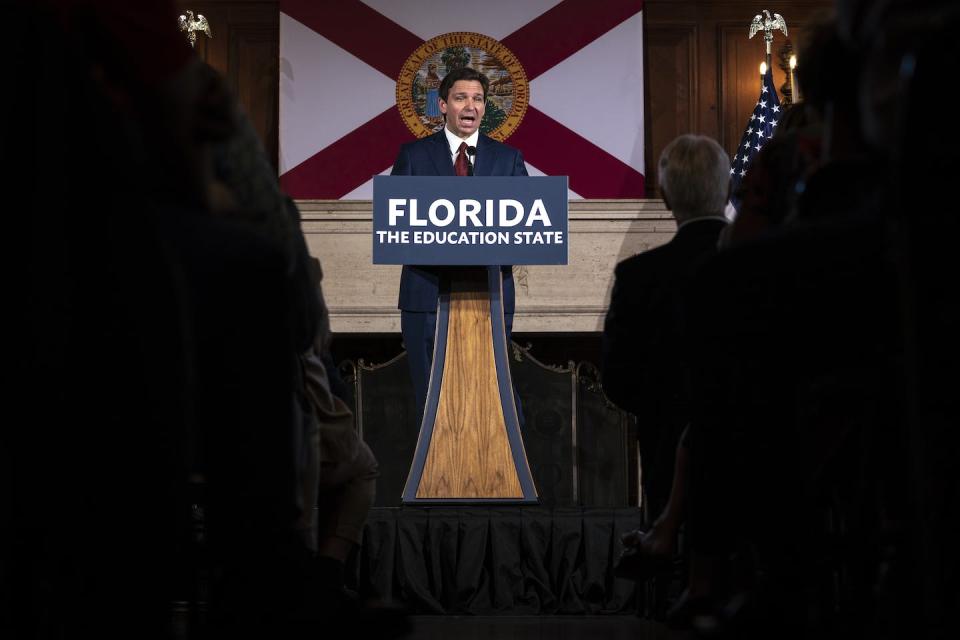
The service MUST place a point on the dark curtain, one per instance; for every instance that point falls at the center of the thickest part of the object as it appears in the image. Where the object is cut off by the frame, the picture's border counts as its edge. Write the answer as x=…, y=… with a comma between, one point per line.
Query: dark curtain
x=503, y=560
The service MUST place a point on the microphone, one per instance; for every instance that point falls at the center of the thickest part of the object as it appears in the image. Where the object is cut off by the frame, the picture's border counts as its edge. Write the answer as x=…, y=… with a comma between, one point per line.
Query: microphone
x=471, y=152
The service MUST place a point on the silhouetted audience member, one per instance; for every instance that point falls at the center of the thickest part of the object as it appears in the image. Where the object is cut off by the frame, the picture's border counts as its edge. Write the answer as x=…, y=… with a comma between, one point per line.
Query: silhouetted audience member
x=163, y=324
x=106, y=375
x=814, y=401
x=346, y=474
x=909, y=55
x=794, y=364
x=336, y=468
x=642, y=338
x=263, y=561
x=775, y=179
x=806, y=367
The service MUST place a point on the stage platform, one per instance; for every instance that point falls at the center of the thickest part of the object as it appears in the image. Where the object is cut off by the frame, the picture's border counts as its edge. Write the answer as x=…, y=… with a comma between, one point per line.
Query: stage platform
x=541, y=627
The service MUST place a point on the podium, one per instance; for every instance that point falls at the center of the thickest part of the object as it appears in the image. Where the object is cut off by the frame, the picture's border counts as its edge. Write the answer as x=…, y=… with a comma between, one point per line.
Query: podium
x=470, y=448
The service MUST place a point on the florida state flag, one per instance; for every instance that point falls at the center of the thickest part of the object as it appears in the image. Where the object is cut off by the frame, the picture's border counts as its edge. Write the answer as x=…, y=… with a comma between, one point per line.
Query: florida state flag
x=358, y=79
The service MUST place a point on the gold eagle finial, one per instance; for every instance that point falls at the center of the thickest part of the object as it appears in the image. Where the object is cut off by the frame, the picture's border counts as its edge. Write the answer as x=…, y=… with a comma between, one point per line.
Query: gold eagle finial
x=768, y=25
x=191, y=25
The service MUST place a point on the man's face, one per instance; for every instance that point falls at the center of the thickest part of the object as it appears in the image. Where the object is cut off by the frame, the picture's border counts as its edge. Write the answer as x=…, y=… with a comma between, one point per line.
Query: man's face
x=463, y=107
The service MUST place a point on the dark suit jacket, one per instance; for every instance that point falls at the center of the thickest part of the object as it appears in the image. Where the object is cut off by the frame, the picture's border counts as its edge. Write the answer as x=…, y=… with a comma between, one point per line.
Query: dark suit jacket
x=430, y=156
x=643, y=366
x=795, y=347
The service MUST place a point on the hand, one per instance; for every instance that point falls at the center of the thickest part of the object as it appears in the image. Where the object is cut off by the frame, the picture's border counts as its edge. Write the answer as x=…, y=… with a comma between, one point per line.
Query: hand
x=632, y=538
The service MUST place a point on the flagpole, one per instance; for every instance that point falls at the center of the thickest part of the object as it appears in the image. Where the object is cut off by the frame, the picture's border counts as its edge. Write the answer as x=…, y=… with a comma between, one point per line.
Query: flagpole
x=763, y=120
x=794, y=89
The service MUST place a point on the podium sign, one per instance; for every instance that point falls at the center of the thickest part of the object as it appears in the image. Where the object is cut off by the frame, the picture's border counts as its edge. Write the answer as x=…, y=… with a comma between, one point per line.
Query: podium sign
x=470, y=449
x=429, y=220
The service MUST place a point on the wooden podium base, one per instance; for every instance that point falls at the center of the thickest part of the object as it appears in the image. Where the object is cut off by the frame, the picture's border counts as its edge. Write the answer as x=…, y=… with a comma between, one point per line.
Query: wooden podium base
x=470, y=449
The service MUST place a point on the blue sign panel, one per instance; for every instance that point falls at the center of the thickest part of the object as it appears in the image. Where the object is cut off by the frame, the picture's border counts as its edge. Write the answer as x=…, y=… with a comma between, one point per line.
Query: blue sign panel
x=480, y=220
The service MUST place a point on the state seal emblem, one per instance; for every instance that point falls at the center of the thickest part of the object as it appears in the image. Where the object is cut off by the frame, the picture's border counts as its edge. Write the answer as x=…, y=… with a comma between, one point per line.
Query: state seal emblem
x=419, y=83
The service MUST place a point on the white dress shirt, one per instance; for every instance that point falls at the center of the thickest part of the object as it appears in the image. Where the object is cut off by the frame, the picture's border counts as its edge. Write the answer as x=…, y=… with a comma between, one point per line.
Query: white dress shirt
x=455, y=141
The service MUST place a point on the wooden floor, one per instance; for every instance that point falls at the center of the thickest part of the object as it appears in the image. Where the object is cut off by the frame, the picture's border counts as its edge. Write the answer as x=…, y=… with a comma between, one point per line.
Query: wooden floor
x=621, y=627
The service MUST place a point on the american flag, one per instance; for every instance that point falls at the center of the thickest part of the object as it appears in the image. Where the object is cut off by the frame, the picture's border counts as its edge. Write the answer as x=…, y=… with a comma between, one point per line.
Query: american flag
x=759, y=130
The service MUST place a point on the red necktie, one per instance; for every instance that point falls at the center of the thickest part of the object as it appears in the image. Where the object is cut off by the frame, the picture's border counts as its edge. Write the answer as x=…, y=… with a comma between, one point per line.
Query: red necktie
x=461, y=167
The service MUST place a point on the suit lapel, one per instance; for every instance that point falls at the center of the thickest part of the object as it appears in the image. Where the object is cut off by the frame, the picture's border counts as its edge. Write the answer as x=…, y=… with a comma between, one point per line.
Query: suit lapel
x=440, y=154
x=483, y=161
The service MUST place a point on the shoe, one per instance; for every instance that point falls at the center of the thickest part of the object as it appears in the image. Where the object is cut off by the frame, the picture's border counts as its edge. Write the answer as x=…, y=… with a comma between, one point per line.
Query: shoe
x=689, y=608
x=373, y=618
x=339, y=607
x=736, y=618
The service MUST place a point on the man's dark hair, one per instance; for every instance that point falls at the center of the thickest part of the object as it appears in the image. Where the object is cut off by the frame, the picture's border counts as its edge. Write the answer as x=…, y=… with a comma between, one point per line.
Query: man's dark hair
x=463, y=73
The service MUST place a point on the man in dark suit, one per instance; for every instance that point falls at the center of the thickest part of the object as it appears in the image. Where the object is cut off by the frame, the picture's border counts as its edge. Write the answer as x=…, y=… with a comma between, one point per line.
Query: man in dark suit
x=449, y=152
x=643, y=364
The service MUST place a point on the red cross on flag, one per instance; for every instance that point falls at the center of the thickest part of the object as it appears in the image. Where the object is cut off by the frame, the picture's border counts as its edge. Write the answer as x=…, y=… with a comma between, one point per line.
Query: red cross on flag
x=358, y=79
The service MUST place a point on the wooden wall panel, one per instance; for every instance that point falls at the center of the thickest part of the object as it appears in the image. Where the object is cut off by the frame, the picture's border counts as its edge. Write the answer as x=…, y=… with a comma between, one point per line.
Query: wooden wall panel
x=740, y=60
x=672, y=90
x=254, y=77
x=724, y=66
x=245, y=48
